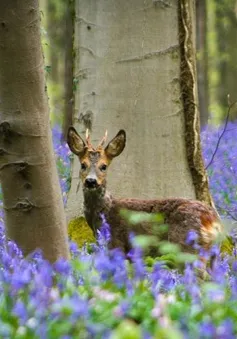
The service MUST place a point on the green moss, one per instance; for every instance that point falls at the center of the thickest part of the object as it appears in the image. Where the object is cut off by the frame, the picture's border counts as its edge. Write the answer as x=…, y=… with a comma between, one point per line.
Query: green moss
x=80, y=232
x=227, y=245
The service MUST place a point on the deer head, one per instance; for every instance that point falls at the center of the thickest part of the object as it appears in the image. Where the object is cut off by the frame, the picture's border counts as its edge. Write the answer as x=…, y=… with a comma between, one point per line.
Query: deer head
x=95, y=161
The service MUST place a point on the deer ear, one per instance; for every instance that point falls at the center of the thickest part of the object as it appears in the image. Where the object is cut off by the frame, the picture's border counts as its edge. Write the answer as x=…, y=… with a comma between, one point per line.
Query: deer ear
x=75, y=142
x=116, y=145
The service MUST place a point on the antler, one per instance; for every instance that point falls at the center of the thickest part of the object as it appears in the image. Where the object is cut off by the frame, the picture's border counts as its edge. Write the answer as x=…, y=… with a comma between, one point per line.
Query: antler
x=88, y=140
x=103, y=140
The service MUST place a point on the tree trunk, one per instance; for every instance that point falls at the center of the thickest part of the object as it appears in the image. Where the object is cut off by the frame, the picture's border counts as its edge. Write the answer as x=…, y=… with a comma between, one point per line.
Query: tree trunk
x=53, y=20
x=226, y=28
x=188, y=86
x=202, y=60
x=69, y=64
x=34, y=213
x=132, y=61
x=55, y=39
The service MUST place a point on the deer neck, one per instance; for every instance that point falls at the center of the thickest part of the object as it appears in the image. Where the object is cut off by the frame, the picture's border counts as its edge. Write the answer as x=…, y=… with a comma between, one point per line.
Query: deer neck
x=96, y=202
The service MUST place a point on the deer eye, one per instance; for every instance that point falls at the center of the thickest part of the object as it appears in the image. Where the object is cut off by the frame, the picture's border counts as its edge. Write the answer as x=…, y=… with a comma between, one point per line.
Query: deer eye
x=83, y=166
x=103, y=168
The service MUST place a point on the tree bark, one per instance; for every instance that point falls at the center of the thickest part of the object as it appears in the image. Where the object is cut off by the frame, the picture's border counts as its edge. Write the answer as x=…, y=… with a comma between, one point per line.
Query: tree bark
x=130, y=63
x=34, y=213
x=188, y=82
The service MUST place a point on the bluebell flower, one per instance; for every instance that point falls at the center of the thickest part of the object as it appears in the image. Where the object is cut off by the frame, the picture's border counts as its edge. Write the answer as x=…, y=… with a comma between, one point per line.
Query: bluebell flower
x=20, y=311
x=13, y=249
x=73, y=248
x=220, y=270
x=120, y=275
x=226, y=330
x=73, y=305
x=162, y=279
x=21, y=277
x=62, y=266
x=104, y=265
x=44, y=277
x=192, y=238
x=207, y=330
x=139, y=267
x=103, y=233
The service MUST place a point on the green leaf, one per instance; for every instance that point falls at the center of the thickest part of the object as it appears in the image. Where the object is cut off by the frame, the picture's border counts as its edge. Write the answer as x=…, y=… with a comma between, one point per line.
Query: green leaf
x=127, y=329
x=168, y=333
x=137, y=217
x=144, y=241
x=166, y=247
x=185, y=257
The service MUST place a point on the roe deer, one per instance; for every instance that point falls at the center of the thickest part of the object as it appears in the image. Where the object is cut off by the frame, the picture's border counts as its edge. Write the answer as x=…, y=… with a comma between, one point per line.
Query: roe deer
x=181, y=215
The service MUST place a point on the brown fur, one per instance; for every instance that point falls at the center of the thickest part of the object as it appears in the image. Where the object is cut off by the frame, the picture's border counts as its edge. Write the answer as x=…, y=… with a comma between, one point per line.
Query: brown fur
x=181, y=215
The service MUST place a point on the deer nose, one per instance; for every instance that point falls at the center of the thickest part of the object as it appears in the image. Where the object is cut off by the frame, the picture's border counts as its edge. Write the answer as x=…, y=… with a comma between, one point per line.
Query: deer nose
x=91, y=183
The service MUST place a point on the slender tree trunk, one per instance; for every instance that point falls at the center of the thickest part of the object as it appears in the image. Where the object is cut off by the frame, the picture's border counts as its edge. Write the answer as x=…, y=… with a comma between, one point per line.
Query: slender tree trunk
x=53, y=25
x=132, y=61
x=226, y=28
x=69, y=65
x=202, y=60
x=222, y=55
x=34, y=213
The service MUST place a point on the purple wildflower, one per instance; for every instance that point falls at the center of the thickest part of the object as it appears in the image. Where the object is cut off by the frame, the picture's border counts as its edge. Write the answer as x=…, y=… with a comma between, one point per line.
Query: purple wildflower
x=103, y=233
x=192, y=239
x=20, y=311
x=226, y=329
x=162, y=279
x=207, y=330
x=62, y=266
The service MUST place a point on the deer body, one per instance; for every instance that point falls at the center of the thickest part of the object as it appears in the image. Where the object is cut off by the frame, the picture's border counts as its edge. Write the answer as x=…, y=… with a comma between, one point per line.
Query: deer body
x=181, y=215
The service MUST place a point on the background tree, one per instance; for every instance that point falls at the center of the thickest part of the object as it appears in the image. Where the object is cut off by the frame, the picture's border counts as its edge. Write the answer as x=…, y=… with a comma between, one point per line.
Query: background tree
x=55, y=40
x=202, y=60
x=226, y=28
x=69, y=67
x=135, y=64
x=222, y=56
x=34, y=212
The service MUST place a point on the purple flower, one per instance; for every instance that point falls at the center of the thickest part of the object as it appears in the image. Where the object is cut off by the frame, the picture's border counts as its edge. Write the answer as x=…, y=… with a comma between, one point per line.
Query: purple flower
x=104, y=265
x=192, y=238
x=73, y=248
x=44, y=276
x=139, y=268
x=74, y=305
x=21, y=277
x=120, y=275
x=207, y=330
x=220, y=270
x=226, y=330
x=20, y=311
x=122, y=309
x=62, y=266
x=162, y=279
x=103, y=233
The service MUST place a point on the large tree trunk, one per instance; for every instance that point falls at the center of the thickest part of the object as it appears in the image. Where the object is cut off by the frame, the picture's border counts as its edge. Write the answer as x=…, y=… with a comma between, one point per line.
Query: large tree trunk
x=34, y=212
x=133, y=58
